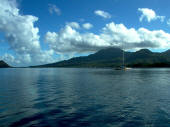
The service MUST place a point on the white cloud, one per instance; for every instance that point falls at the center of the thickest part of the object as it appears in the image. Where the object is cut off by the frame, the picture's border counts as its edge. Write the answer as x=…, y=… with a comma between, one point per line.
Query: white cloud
x=140, y=38
x=168, y=22
x=23, y=38
x=149, y=15
x=103, y=14
x=69, y=40
x=73, y=25
x=53, y=9
x=20, y=33
x=19, y=30
x=8, y=58
x=87, y=26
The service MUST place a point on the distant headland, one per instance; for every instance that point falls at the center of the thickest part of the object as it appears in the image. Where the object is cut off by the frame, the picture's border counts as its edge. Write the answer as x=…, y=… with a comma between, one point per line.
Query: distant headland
x=3, y=64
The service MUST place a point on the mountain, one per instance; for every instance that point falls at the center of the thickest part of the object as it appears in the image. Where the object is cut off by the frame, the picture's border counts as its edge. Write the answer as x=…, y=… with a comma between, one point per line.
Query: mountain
x=112, y=57
x=3, y=64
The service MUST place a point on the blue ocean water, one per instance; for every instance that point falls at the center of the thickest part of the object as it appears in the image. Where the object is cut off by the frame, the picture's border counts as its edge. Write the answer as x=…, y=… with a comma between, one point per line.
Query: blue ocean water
x=68, y=97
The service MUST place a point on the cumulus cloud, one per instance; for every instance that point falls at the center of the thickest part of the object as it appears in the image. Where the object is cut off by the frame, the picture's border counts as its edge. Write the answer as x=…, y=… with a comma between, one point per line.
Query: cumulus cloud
x=149, y=15
x=8, y=58
x=103, y=14
x=168, y=22
x=22, y=37
x=69, y=40
x=20, y=33
x=87, y=26
x=53, y=9
x=73, y=25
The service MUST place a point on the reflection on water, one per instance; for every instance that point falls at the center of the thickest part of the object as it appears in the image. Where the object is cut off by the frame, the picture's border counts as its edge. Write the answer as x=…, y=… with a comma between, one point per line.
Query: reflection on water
x=85, y=97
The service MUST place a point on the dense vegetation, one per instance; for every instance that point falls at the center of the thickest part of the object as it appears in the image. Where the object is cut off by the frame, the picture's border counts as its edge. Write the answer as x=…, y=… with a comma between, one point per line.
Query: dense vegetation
x=112, y=57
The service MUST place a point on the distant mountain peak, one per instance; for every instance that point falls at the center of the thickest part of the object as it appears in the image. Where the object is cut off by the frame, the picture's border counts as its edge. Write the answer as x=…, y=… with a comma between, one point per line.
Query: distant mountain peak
x=144, y=51
x=109, y=50
x=167, y=51
x=111, y=57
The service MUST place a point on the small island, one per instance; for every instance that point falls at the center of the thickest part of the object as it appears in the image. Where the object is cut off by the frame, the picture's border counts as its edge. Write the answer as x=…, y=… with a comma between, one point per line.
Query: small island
x=3, y=64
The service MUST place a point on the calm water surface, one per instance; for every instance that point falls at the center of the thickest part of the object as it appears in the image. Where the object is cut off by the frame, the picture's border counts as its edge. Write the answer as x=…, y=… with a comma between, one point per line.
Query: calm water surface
x=58, y=97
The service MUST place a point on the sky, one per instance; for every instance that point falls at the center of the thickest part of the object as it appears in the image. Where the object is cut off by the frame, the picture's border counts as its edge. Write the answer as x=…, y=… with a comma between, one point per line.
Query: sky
x=34, y=32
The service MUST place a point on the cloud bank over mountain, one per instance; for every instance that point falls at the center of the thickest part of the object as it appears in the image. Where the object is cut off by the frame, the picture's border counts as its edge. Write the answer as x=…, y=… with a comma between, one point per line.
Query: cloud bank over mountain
x=69, y=39
x=23, y=39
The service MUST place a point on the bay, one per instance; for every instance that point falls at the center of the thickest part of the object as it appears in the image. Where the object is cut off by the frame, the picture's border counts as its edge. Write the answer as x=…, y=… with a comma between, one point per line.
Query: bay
x=74, y=97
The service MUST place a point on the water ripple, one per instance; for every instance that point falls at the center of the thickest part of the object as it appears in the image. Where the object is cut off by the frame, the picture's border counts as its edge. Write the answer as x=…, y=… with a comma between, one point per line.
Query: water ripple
x=58, y=97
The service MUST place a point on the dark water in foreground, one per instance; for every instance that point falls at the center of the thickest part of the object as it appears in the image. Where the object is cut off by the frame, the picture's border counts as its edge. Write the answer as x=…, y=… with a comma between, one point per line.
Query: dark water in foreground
x=85, y=97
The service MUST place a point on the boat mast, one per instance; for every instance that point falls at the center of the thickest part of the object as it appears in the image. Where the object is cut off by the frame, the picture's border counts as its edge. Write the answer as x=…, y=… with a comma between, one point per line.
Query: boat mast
x=123, y=60
x=123, y=56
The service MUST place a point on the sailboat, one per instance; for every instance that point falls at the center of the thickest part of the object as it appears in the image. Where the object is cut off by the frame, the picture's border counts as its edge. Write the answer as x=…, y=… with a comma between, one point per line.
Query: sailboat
x=123, y=67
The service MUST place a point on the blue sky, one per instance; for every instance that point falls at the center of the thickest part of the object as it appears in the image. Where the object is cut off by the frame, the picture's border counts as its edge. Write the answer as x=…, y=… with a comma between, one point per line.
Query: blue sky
x=122, y=11
x=42, y=31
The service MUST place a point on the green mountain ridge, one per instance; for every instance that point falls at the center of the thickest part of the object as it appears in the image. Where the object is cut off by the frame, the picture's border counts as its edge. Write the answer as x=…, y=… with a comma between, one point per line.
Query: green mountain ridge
x=112, y=57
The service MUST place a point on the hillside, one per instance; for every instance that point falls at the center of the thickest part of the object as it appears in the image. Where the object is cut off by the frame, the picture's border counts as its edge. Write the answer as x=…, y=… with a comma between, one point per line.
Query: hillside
x=112, y=57
x=3, y=64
